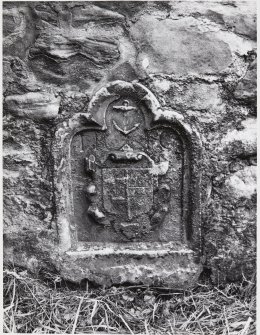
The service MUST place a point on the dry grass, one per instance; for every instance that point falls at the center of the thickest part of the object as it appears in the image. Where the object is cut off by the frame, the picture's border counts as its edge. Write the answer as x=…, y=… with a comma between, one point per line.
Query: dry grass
x=49, y=306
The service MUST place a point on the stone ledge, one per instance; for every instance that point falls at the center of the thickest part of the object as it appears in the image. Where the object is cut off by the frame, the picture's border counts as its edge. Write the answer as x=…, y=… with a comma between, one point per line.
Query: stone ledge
x=108, y=252
x=176, y=269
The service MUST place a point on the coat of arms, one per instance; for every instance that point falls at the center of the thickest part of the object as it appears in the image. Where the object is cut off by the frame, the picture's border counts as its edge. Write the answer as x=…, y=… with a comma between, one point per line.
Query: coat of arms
x=128, y=183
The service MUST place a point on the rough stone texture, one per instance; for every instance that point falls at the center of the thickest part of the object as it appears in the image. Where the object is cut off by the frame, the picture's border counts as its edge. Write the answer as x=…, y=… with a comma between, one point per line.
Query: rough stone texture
x=33, y=104
x=115, y=268
x=199, y=61
x=246, y=88
x=178, y=47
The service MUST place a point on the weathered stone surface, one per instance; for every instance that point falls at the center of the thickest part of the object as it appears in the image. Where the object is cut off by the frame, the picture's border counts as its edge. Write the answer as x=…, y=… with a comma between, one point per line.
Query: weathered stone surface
x=184, y=95
x=73, y=45
x=149, y=267
x=19, y=29
x=83, y=14
x=242, y=142
x=28, y=193
x=17, y=77
x=196, y=62
x=246, y=88
x=230, y=234
x=178, y=47
x=241, y=24
x=238, y=16
x=242, y=183
x=38, y=105
x=70, y=56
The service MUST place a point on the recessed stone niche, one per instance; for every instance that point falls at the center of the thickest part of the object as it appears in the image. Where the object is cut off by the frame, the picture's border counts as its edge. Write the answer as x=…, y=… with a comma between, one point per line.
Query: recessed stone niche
x=128, y=191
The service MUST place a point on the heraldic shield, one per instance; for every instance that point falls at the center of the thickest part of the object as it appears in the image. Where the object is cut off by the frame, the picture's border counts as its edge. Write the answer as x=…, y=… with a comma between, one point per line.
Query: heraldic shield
x=124, y=191
x=128, y=193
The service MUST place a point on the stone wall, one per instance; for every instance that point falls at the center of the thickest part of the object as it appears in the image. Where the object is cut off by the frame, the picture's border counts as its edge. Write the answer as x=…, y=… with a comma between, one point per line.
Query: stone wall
x=198, y=58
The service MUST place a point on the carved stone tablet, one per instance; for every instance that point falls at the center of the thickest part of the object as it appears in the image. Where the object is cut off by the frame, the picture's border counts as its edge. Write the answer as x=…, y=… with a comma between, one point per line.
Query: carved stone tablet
x=133, y=177
x=136, y=171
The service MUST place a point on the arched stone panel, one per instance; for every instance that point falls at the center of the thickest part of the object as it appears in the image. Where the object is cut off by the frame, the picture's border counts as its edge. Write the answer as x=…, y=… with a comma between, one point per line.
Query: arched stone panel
x=131, y=179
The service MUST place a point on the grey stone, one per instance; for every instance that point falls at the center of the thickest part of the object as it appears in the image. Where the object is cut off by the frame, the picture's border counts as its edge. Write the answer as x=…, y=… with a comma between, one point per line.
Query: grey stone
x=242, y=24
x=184, y=95
x=74, y=44
x=151, y=267
x=17, y=77
x=188, y=71
x=19, y=29
x=246, y=88
x=27, y=173
x=84, y=14
x=178, y=47
x=242, y=183
x=37, y=105
x=239, y=17
x=241, y=142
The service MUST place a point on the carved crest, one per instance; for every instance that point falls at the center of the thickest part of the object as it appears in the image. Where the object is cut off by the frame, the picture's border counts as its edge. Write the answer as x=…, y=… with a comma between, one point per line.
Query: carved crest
x=128, y=193
x=129, y=171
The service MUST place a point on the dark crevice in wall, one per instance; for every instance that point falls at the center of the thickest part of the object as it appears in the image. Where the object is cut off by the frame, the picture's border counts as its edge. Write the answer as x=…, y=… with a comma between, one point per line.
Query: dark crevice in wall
x=54, y=206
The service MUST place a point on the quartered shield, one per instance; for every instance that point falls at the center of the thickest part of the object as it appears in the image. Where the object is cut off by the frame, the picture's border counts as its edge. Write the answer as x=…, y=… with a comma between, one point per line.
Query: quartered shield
x=127, y=192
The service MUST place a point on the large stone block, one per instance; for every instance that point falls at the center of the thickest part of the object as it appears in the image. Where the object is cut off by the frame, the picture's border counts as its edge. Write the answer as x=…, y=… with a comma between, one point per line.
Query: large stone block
x=74, y=45
x=178, y=47
x=238, y=16
x=19, y=30
x=38, y=105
